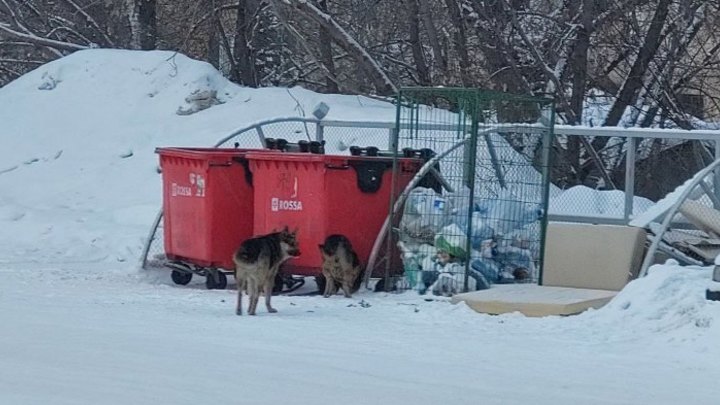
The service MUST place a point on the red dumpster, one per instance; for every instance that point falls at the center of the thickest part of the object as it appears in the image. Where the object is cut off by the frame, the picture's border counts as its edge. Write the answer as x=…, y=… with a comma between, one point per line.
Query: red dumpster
x=323, y=195
x=207, y=204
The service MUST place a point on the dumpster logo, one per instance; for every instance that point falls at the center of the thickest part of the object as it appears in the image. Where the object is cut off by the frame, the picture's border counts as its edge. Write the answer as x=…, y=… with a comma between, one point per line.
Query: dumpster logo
x=289, y=186
x=199, y=182
x=196, y=181
x=277, y=204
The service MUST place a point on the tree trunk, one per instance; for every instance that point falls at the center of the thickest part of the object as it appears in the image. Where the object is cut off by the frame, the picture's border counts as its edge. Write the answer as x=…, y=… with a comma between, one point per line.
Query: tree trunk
x=246, y=72
x=213, y=51
x=460, y=41
x=326, y=55
x=427, y=19
x=498, y=56
x=629, y=90
x=579, y=61
x=143, y=23
x=412, y=12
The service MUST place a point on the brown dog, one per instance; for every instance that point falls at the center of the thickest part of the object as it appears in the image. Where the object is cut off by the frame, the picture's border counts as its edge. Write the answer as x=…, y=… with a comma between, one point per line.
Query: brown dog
x=341, y=266
x=257, y=261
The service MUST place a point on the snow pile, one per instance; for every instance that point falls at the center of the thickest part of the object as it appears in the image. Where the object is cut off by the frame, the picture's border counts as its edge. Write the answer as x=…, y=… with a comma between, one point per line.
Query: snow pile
x=669, y=302
x=78, y=172
x=586, y=202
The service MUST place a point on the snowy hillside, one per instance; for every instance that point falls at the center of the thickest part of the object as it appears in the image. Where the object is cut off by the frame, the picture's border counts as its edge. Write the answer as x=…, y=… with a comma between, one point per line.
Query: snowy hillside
x=79, y=323
x=77, y=167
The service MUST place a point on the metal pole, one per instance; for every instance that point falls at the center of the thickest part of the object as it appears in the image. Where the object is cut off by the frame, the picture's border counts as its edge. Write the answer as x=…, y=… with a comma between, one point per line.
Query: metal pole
x=261, y=135
x=470, y=164
x=319, y=132
x=149, y=240
x=689, y=188
x=395, y=140
x=402, y=196
x=547, y=141
x=629, y=177
x=495, y=161
x=716, y=177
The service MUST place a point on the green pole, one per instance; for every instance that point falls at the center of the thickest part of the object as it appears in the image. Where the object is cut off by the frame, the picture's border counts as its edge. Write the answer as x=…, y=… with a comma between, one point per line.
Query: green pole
x=546, y=156
x=469, y=180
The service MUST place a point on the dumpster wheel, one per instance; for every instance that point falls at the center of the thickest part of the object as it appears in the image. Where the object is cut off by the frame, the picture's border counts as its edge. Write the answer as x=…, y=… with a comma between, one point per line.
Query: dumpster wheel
x=181, y=273
x=215, y=280
x=181, y=277
x=283, y=280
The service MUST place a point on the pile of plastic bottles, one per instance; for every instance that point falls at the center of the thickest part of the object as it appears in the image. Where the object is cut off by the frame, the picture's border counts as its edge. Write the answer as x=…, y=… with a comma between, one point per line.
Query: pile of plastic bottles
x=504, y=240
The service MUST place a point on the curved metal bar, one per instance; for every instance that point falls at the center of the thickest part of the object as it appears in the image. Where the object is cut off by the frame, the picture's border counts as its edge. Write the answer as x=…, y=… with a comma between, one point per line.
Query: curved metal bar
x=150, y=238
x=671, y=213
x=260, y=124
x=399, y=203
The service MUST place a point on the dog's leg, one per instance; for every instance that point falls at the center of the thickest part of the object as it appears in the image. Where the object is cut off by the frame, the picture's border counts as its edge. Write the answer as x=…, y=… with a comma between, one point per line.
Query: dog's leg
x=328, y=281
x=346, y=287
x=253, y=293
x=257, y=296
x=332, y=287
x=268, y=295
x=240, y=285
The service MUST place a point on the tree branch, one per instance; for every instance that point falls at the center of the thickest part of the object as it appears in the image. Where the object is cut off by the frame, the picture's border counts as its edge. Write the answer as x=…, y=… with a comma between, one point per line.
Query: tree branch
x=382, y=82
x=108, y=42
x=50, y=43
x=560, y=93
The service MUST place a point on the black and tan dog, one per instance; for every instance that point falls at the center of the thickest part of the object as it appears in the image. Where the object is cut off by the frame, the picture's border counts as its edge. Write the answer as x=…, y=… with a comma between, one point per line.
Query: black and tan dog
x=257, y=262
x=341, y=266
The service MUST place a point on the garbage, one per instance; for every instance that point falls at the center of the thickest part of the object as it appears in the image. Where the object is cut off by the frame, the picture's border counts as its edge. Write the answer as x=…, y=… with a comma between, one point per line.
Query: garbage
x=425, y=213
x=434, y=241
x=452, y=240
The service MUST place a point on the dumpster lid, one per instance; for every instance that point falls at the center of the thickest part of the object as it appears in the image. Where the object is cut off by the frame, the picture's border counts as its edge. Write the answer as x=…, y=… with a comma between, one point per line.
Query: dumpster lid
x=201, y=152
x=287, y=156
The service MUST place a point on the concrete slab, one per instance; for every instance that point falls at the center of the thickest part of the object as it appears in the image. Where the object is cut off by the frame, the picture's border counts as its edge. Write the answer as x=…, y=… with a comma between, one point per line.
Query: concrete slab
x=534, y=300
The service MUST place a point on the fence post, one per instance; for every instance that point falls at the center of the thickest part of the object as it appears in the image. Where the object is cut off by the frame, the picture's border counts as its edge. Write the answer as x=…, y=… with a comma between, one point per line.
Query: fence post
x=319, y=132
x=469, y=182
x=547, y=141
x=716, y=177
x=629, y=177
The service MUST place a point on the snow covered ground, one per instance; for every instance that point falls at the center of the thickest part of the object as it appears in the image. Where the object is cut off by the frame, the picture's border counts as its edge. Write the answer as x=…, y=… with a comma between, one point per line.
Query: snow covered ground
x=79, y=323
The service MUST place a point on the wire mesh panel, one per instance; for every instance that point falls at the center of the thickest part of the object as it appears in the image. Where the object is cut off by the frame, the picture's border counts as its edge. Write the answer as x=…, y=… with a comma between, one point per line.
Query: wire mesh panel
x=611, y=179
x=290, y=131
x=340, y=140
x=476, y=215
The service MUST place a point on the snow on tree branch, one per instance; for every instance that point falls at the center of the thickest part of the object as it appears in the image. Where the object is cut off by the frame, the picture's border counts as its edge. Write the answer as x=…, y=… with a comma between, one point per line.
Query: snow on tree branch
x=382, y=82
x=51, y=43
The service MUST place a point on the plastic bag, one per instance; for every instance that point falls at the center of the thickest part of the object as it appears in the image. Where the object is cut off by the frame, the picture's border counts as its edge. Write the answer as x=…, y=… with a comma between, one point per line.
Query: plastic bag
x=452, y=240
x=424, y=214
x=506, y=214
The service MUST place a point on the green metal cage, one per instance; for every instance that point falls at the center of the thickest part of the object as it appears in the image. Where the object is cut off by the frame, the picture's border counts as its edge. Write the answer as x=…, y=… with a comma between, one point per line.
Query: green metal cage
x=476, y=215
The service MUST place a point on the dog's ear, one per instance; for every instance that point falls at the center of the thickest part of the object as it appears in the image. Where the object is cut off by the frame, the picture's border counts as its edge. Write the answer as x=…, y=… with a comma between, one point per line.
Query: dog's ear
x=295, y=231
x=322, y=248
x=286, y=229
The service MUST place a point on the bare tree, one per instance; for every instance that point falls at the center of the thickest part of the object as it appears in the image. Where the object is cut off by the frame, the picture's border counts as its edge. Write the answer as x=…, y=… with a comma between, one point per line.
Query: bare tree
x=143, y=23
x=634, y=81
x=413, y=16
x=326, y=52
x=383, y=84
